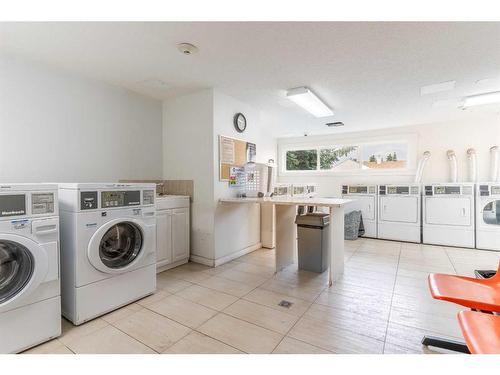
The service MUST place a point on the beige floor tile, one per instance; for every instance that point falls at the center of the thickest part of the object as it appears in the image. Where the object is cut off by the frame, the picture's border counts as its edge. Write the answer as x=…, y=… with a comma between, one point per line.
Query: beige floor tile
x=189, y=275
x=358, y=304
x=182, y=311
x=426, y=305
x=263, y=316
x=158, y=296
x=430, y=268
x=394, y=349
x=325, y=335
x=240, y=334
x=272, y=299
x=243, y=277
x=170, y=283
x=445, y=325
x=152, y=329
x=122, y=312
x=292, y=346
x=223, y=285
x=254, y=269
x=223, y=267
x=308, y=293
x=373, y=326
x=198, y=343
x=51, y=347
x=207, y=297
x=71, y=332
x=108, y=340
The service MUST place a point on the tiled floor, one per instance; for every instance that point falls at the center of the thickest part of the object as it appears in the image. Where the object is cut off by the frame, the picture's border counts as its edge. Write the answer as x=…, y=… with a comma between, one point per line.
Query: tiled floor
x=381, y=305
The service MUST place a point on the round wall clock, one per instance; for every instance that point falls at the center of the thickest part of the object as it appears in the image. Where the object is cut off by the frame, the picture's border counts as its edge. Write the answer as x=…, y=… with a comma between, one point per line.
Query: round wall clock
x=240, y=122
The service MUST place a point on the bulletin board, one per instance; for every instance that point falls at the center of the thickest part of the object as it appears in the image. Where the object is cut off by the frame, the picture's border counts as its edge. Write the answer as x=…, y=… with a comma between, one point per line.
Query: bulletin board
x=233, y=153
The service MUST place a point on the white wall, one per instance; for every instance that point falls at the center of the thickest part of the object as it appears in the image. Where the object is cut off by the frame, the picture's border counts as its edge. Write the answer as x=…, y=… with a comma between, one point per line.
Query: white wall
x=481, y=134
x=188, y=155
x=237, y=227
x=192, y=125
x=56, y=126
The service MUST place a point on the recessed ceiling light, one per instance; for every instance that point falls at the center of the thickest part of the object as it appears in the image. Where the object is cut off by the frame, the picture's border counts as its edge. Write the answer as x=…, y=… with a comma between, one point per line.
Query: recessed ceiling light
x=306, y=99
x=438, y=87
x=482, y=99
x=187, y=48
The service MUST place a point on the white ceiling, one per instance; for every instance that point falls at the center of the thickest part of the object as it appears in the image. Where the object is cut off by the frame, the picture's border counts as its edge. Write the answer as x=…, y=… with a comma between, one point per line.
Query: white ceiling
x=370, y=73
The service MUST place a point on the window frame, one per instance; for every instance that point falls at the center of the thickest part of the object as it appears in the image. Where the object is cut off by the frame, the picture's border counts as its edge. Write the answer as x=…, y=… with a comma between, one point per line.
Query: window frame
x=327, y=142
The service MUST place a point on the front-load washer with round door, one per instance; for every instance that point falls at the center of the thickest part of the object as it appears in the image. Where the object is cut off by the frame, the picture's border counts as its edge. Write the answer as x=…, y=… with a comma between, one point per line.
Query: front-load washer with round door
x=448, y=214
x=108, y=246
x=30, y=302
x=488, y=216
x=399, y=209
x=364, y=199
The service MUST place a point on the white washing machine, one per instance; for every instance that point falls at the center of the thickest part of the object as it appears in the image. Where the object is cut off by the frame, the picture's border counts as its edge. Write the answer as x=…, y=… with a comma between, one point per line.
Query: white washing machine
x=399, y=208
x=365, y=200
x=448, y=214
x=108, y=246
x=488, y=216
x=30, y=298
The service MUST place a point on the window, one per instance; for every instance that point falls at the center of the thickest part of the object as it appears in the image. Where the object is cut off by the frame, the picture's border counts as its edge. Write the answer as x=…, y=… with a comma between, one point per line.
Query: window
x=341, y=158
x=351, y=157
x=385, y=156
x=302, y=160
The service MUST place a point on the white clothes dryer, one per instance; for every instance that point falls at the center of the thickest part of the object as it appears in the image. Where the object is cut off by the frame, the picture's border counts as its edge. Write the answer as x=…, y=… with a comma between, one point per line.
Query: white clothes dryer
x=448, y=214
x=108, y=247
x=364, y=199
x=488, y=216
x=30, y=302
x=399, y=208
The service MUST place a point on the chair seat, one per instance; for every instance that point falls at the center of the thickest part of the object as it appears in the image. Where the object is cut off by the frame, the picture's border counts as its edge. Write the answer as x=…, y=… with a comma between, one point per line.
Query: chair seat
x=481, y=332
x=477, y=294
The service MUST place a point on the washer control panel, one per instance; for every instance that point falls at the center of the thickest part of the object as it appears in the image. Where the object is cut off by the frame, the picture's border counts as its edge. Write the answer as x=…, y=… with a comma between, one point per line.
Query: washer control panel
x=88, y=200
x=148, y=197
x=110, y=199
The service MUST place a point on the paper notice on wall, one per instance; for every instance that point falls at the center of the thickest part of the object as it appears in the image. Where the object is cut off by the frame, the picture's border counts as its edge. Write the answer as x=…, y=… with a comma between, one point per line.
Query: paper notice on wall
x=227, y=154
x=251, y=152
x=236, y=176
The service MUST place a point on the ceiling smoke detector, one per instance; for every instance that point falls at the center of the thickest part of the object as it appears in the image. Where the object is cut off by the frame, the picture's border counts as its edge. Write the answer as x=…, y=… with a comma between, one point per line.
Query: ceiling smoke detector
x=187, y=48
x=335, y=124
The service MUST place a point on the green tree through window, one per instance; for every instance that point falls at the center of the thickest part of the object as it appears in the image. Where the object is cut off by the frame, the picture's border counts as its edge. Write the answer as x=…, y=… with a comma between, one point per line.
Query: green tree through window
x=329, y=157
x=301, y=160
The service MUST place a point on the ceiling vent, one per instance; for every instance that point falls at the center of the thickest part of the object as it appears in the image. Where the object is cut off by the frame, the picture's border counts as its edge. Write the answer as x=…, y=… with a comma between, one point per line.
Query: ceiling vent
x=334, y=124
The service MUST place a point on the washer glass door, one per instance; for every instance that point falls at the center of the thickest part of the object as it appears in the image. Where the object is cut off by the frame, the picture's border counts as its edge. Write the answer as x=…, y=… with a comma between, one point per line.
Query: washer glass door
x=491, y=213
x=16, y=268
x=120, y=245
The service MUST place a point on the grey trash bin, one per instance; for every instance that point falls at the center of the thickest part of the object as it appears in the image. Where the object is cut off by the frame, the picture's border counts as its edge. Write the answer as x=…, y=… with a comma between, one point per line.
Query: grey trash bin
x=313, y=241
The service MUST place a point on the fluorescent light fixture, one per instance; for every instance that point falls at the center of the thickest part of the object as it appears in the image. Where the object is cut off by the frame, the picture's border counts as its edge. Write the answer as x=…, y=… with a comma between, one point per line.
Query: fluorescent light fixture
x=481, y=99
x=438, y=87
x=306, y=99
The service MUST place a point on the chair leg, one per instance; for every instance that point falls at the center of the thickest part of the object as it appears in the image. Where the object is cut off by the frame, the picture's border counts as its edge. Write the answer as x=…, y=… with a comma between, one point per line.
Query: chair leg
x=452, y=345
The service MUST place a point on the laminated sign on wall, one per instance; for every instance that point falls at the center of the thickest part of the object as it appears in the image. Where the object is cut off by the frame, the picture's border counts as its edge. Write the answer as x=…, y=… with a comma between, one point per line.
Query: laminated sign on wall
x=234, y=153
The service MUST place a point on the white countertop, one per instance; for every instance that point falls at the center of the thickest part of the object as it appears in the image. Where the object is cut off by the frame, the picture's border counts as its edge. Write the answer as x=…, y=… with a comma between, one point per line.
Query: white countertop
x=325, y=202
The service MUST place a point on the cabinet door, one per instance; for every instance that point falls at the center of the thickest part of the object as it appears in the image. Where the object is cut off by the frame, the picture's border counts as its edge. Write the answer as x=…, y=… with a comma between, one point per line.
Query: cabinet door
x=164, y=236
x=180, y=234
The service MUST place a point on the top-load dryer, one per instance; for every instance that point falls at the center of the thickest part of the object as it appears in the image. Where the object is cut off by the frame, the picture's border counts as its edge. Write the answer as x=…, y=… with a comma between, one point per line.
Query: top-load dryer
x=365, y=200
x=488, y=216
x=448, y=214
x=399, y=208
x=108, y=247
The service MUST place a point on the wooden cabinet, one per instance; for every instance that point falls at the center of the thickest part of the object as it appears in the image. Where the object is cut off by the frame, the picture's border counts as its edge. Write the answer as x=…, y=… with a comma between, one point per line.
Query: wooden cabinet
x=172, y=233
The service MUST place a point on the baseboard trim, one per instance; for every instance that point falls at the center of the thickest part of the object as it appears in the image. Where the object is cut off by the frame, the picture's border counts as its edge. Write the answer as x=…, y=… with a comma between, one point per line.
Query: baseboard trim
x=230, y=257
x=224, y=259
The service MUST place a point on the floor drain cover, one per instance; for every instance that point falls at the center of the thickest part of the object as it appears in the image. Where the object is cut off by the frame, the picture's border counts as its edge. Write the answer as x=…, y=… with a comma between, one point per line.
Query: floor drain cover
x=286, y=304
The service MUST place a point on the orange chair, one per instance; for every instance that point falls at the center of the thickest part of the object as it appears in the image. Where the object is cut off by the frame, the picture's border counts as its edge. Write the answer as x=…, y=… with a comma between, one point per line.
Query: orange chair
x=476, y=294
x=481, y=332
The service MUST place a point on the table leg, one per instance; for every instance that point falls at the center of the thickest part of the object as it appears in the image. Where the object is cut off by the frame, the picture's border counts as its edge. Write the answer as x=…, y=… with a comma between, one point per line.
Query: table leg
x=336, y=244
x=286, y=235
